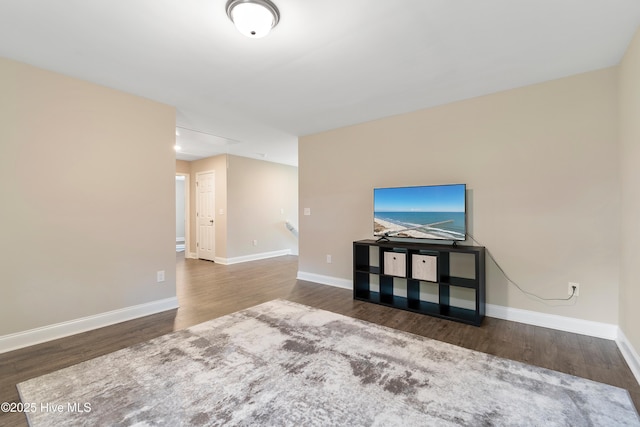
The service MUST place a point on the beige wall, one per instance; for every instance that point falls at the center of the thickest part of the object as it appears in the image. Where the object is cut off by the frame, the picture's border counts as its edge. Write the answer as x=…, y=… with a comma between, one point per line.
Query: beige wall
x=629, y=93
x=261, y=196
x=541, y=166
x=254, y=198
x=87, y=184
x=183, y=167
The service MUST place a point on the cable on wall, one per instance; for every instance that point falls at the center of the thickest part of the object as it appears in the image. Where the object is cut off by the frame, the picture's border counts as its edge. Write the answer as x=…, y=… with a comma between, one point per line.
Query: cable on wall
x=530, y=295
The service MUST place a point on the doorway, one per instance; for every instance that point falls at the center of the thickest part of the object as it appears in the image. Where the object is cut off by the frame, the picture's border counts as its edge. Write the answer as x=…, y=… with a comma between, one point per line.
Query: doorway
x=182, y=213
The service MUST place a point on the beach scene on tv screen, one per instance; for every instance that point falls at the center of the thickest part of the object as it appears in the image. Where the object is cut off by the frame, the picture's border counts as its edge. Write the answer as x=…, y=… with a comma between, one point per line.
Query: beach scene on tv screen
x=431, y=212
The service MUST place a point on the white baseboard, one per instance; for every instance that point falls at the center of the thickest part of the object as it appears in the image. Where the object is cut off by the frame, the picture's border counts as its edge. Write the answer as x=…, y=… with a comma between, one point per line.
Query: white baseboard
x=192, y=255
x=561, y=323
x=252, y=257
x=325, y=280
x=552, y=321
x=629, y=354
x=60, y=330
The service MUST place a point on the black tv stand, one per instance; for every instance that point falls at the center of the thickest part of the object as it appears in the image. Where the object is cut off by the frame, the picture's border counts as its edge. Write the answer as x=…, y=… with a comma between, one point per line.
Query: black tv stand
x=439, y=280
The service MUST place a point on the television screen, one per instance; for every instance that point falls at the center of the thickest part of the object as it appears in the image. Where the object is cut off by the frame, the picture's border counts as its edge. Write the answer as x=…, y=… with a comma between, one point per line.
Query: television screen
x=426, y=212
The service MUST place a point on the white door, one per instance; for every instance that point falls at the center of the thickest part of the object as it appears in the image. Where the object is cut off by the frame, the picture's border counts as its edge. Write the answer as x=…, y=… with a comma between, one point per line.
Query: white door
x=205, y=215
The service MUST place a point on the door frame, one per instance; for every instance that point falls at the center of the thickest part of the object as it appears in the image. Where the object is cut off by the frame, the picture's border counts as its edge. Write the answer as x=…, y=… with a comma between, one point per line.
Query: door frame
x=187, y=218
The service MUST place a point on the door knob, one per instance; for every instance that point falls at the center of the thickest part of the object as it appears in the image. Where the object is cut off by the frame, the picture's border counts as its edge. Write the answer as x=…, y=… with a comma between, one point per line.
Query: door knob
x=211, y=221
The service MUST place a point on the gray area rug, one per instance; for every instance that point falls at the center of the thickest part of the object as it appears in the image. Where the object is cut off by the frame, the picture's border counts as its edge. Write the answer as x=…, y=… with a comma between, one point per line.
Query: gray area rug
x=286, y=364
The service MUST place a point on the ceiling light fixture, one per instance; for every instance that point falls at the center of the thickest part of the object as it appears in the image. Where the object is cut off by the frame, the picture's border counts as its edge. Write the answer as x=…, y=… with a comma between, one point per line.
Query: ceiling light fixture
x=253, y=18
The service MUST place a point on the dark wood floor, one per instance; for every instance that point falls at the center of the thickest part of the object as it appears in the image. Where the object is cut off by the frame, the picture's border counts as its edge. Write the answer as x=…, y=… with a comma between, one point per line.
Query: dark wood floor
x=207, y=290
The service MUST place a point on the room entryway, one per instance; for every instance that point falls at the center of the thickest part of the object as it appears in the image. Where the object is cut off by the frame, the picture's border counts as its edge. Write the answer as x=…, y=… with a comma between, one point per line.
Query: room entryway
x=182, y=212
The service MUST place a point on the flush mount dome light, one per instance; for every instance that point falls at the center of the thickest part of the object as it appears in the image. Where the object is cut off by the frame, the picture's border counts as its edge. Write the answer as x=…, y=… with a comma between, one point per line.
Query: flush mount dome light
x=253, y=18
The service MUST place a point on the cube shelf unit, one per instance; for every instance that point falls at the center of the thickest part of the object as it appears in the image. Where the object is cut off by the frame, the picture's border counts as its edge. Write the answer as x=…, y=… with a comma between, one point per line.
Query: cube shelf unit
x=397, y=274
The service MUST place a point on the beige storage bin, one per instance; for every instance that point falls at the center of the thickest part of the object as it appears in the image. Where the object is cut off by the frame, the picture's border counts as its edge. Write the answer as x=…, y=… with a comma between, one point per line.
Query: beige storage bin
x=424, y=267
x=395, y=264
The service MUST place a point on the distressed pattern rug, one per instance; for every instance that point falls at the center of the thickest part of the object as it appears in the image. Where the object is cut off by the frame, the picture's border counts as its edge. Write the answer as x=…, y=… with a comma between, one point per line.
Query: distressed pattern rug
x=286, y=364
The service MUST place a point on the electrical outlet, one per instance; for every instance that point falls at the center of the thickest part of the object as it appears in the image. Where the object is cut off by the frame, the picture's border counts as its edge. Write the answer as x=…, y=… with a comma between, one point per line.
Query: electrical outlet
x=255, y=243
x=328, y=259
x=160, y=276
x=570, y=289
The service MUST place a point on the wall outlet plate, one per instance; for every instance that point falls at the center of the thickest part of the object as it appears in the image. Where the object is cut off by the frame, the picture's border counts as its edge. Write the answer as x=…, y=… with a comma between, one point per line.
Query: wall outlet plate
x=570, y=289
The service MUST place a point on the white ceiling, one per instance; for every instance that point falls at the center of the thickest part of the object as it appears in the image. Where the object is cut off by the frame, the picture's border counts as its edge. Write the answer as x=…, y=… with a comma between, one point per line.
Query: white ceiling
x=328, y=63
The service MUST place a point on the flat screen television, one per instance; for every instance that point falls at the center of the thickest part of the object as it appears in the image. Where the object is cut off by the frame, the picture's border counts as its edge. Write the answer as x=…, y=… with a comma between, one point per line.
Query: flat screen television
x=425, y=212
